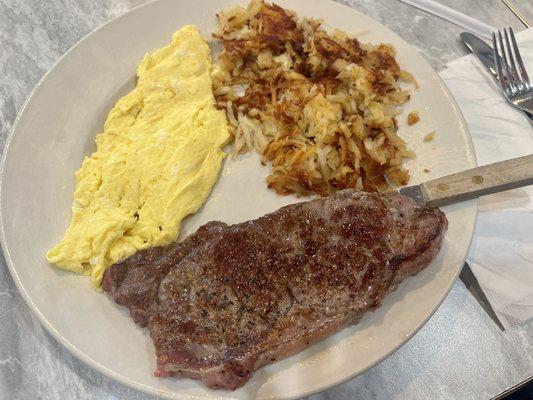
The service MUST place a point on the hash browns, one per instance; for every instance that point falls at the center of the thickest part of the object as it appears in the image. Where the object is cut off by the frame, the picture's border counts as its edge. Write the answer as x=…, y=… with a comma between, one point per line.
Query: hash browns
x=320, y=108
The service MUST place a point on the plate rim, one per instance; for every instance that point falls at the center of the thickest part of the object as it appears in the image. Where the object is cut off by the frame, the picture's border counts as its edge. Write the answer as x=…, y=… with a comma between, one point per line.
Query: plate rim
x=122, y=379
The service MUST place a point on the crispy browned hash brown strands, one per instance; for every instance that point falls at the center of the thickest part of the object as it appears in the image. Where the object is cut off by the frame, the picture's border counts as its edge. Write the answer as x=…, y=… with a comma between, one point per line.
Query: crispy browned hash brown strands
x=319, y=107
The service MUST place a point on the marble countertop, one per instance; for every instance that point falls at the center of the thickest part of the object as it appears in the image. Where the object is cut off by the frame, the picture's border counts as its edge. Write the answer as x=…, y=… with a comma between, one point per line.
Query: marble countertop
x=459, y=353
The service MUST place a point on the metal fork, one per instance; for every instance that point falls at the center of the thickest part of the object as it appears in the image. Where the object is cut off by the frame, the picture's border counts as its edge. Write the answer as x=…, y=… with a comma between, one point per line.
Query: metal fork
x=511, y=71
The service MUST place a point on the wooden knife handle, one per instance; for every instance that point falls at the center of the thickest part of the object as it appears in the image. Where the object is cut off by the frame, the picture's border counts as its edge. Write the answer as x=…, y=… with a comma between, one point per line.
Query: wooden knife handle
x=493, y=178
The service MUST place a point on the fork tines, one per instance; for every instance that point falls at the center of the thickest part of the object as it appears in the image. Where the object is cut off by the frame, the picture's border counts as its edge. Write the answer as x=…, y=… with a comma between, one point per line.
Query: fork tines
x=509, y=65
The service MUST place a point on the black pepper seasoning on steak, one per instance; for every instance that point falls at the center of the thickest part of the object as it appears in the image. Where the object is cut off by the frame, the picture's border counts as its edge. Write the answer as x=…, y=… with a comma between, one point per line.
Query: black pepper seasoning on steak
x=230, y=299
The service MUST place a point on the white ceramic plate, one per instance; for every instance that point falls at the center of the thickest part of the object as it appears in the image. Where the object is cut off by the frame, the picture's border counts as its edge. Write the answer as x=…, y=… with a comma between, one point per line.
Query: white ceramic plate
x=56, y=129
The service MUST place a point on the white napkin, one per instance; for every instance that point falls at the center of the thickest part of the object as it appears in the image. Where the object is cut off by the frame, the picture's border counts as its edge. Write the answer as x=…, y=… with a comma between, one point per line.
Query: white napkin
x=501, y=255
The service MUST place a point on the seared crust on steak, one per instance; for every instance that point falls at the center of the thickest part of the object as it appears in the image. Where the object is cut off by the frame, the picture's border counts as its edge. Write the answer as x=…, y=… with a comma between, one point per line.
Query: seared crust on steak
x=238, y=297
x=134, y=282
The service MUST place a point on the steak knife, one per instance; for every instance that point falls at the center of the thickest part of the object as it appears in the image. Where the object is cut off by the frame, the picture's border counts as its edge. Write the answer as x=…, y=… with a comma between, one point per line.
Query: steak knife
x=473, y=183
x=484, y=53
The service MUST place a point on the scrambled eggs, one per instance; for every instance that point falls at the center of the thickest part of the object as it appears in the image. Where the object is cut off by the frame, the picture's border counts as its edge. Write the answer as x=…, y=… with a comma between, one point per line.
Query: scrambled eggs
x=156, y=161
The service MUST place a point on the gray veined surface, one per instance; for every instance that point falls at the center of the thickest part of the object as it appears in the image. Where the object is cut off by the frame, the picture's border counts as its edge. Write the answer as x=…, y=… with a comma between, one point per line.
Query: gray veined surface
x=459, y=353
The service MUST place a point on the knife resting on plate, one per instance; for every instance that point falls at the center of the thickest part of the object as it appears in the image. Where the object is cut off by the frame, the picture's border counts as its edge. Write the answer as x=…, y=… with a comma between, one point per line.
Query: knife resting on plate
x=469, y=184
x=473, y=183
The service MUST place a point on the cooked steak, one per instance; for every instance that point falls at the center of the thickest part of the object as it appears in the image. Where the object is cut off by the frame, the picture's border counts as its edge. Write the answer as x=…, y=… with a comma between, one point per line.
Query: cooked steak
x=134, y=282
x=249, y=294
